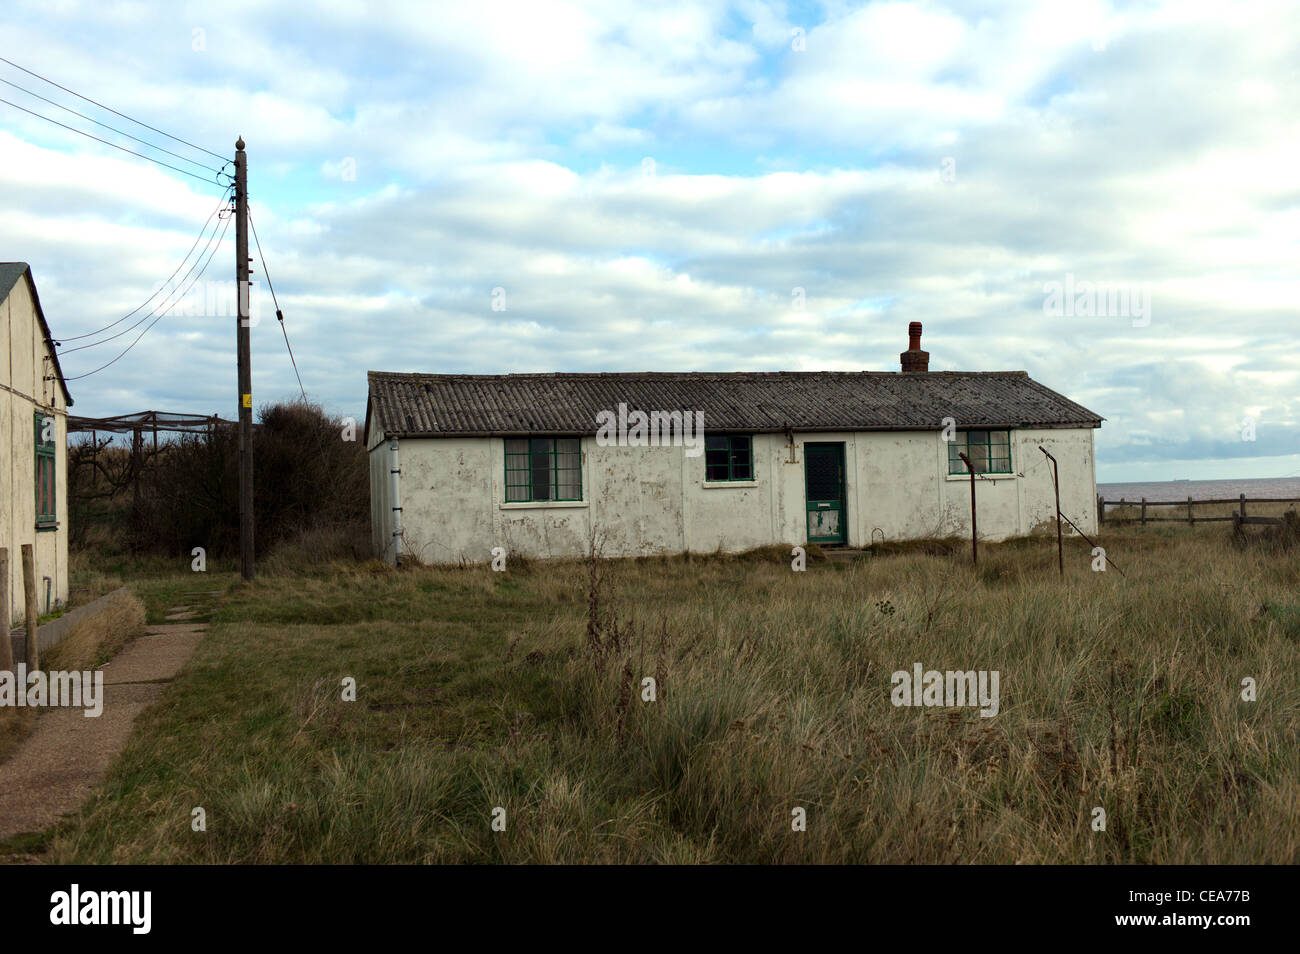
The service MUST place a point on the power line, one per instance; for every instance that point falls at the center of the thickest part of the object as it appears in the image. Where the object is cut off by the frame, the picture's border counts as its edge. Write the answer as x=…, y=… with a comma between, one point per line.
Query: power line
x=92, y=119
x=111, y=110
x=198, y=238
x=161, y=316
x=79, y=132
x=212, y=238
x=275, y=301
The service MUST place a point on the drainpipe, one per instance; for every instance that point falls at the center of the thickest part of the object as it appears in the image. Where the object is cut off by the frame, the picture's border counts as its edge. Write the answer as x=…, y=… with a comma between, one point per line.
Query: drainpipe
x=395, y=493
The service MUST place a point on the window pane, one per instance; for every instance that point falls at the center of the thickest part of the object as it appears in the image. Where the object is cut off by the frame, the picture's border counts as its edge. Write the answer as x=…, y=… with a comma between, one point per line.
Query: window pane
x=977, y=437
x=715, y=471
x=716, y=442
x=568, y=463
x=1000, y=465
x=741, y=461
x=516, y=445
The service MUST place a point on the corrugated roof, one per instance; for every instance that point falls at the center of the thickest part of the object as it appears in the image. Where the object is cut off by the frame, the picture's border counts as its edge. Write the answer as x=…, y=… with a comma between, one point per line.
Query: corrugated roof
x=10, y=273
x=448, y=405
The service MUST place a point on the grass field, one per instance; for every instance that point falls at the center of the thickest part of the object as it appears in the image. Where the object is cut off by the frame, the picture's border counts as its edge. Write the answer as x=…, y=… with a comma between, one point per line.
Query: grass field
x=523, y=691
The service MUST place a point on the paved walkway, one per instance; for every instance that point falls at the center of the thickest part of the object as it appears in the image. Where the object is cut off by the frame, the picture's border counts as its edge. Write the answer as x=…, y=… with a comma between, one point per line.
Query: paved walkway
x=57, y=767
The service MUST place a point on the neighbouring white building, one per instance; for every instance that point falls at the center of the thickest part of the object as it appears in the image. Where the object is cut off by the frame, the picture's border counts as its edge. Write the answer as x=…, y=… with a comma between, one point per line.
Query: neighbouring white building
x=538, y=463
x=34, y=403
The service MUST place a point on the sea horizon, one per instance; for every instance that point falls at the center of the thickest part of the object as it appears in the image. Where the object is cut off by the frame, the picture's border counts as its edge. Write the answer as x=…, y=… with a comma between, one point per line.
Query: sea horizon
x=1163, y=490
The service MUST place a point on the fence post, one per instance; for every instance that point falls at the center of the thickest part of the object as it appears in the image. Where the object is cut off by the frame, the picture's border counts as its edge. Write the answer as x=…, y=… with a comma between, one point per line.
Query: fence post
x=6, y=644
x=1101, y=509
x=1144, y=511
x=1242, y=511
x=1191, y=520
x=29, y=586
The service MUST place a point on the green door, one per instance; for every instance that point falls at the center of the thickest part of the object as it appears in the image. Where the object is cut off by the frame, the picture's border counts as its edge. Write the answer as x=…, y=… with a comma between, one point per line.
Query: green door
x=823, y=473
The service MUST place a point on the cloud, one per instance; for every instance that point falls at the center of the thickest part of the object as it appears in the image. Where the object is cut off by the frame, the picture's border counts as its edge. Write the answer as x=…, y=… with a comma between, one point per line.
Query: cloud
x=914, y=161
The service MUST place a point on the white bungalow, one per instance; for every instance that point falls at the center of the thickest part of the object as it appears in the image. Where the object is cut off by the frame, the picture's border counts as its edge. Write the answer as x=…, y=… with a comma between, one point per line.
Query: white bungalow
x=537, y=463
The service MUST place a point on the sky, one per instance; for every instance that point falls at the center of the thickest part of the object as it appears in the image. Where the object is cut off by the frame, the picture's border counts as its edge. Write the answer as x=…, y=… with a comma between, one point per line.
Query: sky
x=1102, y=194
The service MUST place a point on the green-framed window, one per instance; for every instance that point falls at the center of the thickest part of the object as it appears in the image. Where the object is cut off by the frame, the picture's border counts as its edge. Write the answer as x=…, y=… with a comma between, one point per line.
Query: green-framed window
x=543, y=468
x=989, y=452
x=46, y=488
x=728, y=457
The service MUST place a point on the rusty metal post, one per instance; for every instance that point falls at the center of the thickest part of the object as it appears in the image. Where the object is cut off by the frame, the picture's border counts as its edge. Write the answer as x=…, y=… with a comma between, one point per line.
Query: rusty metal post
x=1056, y=485
x=974, y=531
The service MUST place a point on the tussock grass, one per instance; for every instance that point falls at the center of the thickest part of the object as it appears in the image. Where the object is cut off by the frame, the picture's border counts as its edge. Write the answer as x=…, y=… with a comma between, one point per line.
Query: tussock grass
x=90, y=643
x=94, y=640
x=523, y=690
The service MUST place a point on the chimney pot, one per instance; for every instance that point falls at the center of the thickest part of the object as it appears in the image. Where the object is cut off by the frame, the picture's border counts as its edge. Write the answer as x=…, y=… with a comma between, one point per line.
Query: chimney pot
x=914, y=359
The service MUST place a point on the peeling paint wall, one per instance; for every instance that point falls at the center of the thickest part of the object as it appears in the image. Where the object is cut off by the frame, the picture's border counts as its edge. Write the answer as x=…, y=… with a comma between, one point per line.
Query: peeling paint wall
x=25, y=393
x=646, y=500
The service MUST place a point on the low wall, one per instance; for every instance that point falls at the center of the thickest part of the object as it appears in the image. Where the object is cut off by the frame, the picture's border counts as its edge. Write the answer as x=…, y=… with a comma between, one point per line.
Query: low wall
x=53, y=632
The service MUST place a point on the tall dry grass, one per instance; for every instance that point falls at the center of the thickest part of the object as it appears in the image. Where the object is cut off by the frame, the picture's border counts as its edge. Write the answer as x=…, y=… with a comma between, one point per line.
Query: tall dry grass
x=524, y=690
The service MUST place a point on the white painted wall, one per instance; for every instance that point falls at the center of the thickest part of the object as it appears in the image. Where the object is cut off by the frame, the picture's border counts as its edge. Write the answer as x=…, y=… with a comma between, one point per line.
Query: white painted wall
x=650, y=500
x=23, y=392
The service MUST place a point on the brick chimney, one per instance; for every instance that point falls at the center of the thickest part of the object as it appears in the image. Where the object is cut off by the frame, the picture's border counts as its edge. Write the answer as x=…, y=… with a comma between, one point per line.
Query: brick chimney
x=914, y=359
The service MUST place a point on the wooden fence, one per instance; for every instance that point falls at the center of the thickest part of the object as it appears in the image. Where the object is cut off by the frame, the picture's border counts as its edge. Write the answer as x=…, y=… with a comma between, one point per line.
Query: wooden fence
x=1188, y=508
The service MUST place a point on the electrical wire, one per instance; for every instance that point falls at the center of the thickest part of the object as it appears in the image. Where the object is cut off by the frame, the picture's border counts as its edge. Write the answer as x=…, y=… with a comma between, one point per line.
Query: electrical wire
x=276, y=302
x=143, y=142
x=198, y=238
x=324, y=455
x=110, y=109
x=161, y=316
x=212, y=238
x=193, y=175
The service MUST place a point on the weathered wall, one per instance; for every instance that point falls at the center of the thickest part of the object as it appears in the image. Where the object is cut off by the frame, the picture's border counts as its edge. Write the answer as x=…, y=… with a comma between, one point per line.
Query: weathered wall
x=23, y=392
x=655, y=499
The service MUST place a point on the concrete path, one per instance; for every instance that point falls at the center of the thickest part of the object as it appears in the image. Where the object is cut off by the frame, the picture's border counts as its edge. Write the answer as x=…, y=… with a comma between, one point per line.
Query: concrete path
x=57, y=767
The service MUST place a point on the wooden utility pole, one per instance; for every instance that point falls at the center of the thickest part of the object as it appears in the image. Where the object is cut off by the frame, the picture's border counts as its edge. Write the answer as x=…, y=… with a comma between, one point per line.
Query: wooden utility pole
x=29, y=589
x=974, y=531
x=245, y=365
x=6, y=645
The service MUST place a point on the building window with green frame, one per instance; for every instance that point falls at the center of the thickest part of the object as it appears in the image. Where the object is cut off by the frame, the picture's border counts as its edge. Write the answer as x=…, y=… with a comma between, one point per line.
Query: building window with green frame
x=46, y=487
x=728, y=457
x=989, y=452
x=543, y=469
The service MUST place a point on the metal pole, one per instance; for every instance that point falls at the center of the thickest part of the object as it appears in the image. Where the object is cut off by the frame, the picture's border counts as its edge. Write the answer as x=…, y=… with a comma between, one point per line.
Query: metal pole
x=1056, y=485
x=245, y=365
x=974, y=531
